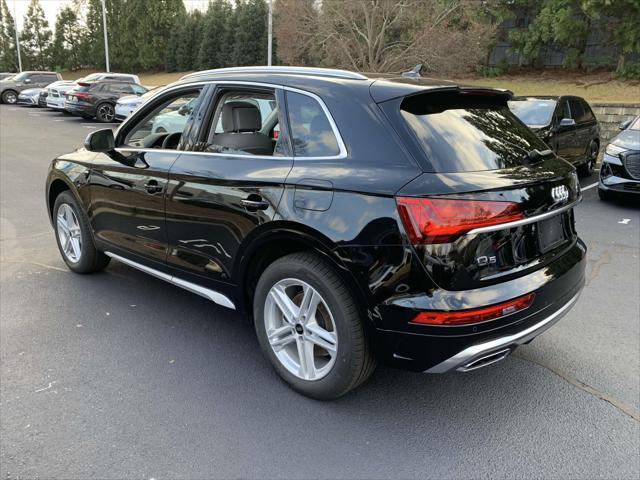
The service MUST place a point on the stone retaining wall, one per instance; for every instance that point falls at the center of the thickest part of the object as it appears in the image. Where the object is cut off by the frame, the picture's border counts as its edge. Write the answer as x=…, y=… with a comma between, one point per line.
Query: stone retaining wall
x=610, y=115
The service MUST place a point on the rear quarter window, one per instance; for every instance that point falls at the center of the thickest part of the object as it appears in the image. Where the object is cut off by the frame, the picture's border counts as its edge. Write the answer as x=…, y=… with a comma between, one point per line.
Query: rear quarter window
x=311, y=130
x=466, y=133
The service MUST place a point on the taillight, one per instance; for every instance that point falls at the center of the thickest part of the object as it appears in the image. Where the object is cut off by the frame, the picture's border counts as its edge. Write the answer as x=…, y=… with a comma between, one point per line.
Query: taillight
x=476, y=315
x=81, y=96
x=440, y=220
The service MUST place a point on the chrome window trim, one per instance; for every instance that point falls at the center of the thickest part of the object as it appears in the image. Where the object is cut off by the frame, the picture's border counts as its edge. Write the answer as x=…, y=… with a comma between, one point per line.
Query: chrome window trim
x=207, y=293
x=524, y=221
x=341, y=145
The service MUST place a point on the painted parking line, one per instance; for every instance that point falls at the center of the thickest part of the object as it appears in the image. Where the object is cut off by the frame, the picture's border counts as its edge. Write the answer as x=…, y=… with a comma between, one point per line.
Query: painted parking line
x=34, y=114
x=589, y=186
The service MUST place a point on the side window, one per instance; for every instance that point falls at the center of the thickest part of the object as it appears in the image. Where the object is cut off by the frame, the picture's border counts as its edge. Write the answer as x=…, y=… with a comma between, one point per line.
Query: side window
x=311, y=131
x=564, y=111
x=588, y=113
x=138, y=90
x=120, y=88
x=168, y=119
x=246, y=123
x=577, y=112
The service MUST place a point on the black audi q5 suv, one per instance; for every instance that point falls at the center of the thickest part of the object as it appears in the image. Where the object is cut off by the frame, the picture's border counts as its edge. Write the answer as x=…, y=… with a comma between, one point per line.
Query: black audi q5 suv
x=354, y=219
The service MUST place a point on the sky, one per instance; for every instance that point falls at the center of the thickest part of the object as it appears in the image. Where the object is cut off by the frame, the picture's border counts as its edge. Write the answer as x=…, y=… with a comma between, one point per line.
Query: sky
x=51, y=7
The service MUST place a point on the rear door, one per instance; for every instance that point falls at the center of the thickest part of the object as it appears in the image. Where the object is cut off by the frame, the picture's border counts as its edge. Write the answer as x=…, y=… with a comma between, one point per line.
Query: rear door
x=583, y=129
x=467, y=215
x=230, y=185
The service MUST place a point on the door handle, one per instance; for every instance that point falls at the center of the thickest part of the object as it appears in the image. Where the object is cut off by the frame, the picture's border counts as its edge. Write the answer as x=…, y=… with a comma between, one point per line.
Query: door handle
x=254, y=203
x=152, y=186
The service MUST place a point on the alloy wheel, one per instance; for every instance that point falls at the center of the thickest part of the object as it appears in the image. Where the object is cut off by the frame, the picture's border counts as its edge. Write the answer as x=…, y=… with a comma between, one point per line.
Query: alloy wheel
x=106, y=113
x=69, y=233
x=300, y=329
x=10, y=98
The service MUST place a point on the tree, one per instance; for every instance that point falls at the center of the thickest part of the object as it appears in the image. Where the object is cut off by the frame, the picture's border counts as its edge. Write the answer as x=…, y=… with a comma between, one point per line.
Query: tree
x=8, y=53
x=35, y=38
x=564, y=23
x=188, y=42
x=250, y=39
x=212, y=53
x=622, y=19
x=387, y=35
x=67, y=40
x=295, y=28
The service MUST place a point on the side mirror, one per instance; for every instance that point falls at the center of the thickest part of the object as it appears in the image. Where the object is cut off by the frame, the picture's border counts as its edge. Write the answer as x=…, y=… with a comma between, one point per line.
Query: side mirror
x=100, y=141
x=184, y=110
x=567, y=122
x=27, y=80
x=624, y=125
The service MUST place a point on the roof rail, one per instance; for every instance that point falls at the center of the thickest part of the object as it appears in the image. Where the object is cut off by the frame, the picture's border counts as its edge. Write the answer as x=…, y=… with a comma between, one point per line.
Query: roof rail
x=320, y=72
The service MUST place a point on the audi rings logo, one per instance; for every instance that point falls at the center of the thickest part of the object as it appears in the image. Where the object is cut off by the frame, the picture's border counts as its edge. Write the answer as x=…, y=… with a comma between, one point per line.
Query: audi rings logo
x=560, y=194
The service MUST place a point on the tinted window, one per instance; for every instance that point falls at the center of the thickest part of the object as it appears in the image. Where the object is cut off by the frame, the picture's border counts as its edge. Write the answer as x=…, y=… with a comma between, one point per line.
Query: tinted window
x=464, y=133
x=588, y=114
x=577, y=112
x=563, y=111
x=310, y=128
x=533, y=112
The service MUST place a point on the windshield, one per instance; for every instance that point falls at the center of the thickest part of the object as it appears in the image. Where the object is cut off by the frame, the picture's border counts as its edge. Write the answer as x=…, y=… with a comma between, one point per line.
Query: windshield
x=20, y=77
x=533, y=112
x=635, y=125
x=466, y=133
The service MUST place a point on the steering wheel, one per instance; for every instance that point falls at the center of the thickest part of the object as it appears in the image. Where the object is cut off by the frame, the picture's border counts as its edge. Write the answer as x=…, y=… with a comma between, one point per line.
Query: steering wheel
x=171, y=141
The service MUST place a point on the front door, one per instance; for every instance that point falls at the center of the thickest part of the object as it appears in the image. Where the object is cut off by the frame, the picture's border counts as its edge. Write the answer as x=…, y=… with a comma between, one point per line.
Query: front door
x=224, y=191
x=129, y=184
x=563, y=141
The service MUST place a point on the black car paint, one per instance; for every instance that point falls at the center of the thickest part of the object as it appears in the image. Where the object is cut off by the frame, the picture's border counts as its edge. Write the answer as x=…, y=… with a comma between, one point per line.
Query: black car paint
x=342, y=208
x=570, y=142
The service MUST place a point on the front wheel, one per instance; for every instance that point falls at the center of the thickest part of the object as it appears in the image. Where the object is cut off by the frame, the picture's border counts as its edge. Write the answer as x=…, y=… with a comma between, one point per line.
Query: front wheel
x=10, y=97
x=309, y=327
x=586, y=169
x=74, y=237
x=105, y=113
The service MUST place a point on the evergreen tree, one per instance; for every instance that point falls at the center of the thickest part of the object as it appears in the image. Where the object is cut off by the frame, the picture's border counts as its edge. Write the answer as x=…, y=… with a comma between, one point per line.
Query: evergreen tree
x=212, y=53
x=189, y=42
x=67, y=40
x=35, y=38
x=8, y=53
x=250, y=39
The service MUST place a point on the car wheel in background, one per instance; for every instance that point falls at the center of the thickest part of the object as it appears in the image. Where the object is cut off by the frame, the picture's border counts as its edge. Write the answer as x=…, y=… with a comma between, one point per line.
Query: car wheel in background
x=105, y=113
x=74, y=237
x=10, y=97
x=587, y=169
x=309, y=327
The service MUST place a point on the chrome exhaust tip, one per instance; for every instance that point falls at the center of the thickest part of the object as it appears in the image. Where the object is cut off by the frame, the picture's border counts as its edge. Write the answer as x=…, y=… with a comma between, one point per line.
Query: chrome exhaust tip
x=485, y=360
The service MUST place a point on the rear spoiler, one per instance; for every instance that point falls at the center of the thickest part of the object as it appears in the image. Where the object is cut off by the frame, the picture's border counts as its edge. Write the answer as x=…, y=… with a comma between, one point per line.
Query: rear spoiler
x=382, y=90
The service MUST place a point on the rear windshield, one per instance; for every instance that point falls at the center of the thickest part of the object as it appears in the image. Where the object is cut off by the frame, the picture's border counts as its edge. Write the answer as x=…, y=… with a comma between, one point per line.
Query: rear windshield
x=83, y=88
x=533, y=112
x=466, y=133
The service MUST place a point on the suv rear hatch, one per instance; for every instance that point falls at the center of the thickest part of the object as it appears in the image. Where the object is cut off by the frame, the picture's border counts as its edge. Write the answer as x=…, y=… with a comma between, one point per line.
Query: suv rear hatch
x=494, y=202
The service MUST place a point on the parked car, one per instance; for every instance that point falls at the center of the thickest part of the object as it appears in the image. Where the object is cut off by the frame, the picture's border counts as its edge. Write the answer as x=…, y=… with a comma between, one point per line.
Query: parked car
x=128, y=104
x=98, y=99
x=29, y=97
x=620, y=170
x=414, y=222
x=567, y=124
x=57, y=94
x=119, y=77
x=6, y=75
x=10, y=89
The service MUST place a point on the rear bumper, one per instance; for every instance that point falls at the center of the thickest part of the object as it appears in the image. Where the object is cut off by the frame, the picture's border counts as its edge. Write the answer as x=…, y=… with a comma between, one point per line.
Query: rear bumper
x=438, y=349
x=82, y=110
x=485, y=353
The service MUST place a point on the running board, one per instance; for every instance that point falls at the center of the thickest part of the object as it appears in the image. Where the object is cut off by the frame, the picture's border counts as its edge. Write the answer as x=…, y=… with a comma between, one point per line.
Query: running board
x=207, y=293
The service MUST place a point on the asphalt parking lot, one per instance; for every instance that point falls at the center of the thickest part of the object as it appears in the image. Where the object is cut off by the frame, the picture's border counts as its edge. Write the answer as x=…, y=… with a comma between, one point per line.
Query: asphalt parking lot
x=120, y=375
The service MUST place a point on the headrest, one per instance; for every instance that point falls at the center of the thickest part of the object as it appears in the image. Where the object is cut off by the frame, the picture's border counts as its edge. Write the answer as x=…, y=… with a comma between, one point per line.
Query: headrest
x=241, y=117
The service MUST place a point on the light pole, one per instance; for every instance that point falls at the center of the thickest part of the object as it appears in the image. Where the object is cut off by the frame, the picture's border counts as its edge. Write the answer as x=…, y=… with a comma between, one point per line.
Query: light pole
x=270, y=34
x=106, y=41
x=15, y=23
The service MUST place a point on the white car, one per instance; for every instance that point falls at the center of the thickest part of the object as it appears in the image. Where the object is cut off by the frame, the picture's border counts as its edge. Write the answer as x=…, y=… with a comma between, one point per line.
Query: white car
x=29, y=96
x=57, y=91
x=128, y=104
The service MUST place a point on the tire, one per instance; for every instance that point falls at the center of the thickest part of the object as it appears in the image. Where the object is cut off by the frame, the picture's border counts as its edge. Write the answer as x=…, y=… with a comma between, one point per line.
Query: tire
x=105, y=112
x=604, y=195
x=336, y=318
x=586, y=170
x=9, y=97
x=89, y=259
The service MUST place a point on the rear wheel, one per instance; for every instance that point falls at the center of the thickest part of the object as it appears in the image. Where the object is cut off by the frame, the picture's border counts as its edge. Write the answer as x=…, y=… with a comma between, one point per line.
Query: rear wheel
x=9, y=97
x=105, y=113
x=308, y=326
x=74, y=236
x=587, y=169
